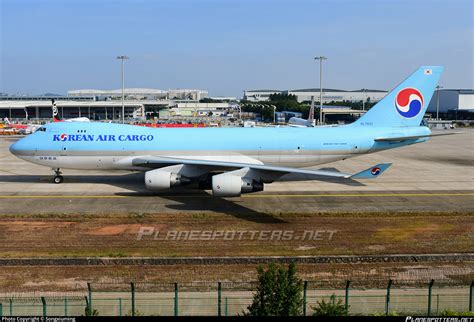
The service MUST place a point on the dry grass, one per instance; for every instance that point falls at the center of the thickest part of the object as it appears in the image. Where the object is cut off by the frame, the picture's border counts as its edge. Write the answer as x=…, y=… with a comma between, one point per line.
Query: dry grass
x=47, y=278
x=116, y=236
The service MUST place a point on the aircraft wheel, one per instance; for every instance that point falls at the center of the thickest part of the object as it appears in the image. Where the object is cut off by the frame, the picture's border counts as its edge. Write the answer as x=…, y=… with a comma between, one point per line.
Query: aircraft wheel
x=58, y=179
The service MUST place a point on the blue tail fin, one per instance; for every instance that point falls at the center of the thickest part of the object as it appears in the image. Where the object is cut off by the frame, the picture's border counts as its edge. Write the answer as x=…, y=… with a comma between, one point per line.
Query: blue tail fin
x=406, y=104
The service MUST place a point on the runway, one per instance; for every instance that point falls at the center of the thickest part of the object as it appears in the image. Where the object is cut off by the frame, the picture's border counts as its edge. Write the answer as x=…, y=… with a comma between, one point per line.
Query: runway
x=433, y=176
x=458, y=201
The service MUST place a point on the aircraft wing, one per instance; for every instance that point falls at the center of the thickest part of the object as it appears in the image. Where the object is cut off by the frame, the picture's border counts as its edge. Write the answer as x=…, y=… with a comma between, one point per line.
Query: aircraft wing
x=296, y=125
x=414, y=137
x=78, y=119
x=211, y=165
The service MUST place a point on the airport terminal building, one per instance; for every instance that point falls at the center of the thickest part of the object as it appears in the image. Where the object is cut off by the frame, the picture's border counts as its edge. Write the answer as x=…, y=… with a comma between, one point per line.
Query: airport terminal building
x=39, y=108
x=141, y=94
x=139, y=103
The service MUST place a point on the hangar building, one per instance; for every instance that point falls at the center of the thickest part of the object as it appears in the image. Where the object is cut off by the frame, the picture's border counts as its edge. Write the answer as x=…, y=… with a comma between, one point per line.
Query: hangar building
x=329, y=94
x=452, y=100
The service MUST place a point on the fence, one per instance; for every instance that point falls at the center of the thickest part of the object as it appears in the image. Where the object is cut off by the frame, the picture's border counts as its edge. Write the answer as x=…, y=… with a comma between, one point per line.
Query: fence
x=230, y=298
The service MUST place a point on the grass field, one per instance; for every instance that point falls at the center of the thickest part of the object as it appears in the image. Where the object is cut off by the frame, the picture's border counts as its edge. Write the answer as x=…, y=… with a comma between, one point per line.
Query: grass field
x=352, y=234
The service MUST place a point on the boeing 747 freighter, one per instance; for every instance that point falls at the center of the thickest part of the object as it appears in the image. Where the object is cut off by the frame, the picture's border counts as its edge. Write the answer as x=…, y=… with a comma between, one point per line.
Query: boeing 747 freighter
x=233, y=161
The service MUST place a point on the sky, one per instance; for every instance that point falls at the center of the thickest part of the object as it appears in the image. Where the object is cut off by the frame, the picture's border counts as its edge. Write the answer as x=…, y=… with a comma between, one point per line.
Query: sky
x=227, y=46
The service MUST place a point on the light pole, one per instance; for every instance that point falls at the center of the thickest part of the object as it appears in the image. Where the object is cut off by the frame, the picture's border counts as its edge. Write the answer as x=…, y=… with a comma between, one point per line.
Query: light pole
x=363, y=100
x=123, y=57
x=320, y=58
x=240, y=111
x=437, y=101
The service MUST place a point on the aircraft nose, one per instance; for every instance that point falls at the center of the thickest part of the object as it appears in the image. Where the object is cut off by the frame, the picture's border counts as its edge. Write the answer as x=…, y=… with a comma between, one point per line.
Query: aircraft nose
x=17, y=147
x=14, y=148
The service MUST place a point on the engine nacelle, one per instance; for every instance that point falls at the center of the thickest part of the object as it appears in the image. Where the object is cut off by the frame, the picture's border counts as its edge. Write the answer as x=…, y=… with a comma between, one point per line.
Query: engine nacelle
x=224, y=185
x=161, y=180
x=249, y=185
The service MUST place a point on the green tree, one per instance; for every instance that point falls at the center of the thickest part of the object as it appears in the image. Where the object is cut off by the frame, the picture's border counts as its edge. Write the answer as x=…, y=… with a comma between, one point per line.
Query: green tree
x=265, y=109
x=331, y=308
x=285, y=102
x=88, y=312
x=210, y=100
x=279, y=292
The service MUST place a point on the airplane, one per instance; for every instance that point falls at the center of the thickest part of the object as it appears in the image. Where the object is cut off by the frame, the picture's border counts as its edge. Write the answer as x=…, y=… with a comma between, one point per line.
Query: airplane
x=21, y=128
x=31, y=128
x=300, y=122
x=232, y=161
x=57, y=117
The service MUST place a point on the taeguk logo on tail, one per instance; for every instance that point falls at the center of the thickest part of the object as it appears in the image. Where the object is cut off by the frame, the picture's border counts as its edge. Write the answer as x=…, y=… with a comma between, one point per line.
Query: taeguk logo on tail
x=409, y=102
x=375, y=171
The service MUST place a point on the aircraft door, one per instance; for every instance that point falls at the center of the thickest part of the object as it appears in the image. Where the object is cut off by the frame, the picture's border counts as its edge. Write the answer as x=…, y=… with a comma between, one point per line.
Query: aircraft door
x=292, y=151
x=356, y=147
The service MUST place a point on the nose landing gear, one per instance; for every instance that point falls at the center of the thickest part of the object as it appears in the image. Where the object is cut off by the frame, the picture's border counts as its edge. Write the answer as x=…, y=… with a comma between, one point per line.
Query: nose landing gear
x=58, y=178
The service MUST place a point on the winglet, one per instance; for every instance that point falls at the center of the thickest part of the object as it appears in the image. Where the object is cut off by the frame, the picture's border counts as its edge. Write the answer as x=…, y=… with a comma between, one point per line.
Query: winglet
x=372, y=172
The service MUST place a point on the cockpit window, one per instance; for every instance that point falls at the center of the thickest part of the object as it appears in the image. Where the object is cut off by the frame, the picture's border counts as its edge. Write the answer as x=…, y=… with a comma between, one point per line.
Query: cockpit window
x=42, y=129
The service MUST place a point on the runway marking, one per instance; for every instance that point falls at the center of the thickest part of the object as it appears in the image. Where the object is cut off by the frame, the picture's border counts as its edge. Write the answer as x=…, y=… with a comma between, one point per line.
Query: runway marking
x=245, y=196
x=65, y=197
x=364, y=195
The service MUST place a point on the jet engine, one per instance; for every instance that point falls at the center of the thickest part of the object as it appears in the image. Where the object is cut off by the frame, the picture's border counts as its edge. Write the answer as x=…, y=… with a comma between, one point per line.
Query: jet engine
x=161, y=180
x=226, y=185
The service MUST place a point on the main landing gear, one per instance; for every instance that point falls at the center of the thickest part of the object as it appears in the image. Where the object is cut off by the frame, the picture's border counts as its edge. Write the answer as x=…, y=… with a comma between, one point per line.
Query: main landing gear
x=58, y=178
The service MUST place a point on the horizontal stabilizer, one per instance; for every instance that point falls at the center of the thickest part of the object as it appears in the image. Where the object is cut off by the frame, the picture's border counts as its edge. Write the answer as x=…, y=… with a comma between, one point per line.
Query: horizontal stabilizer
x=412, y=137
x=372, y=172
